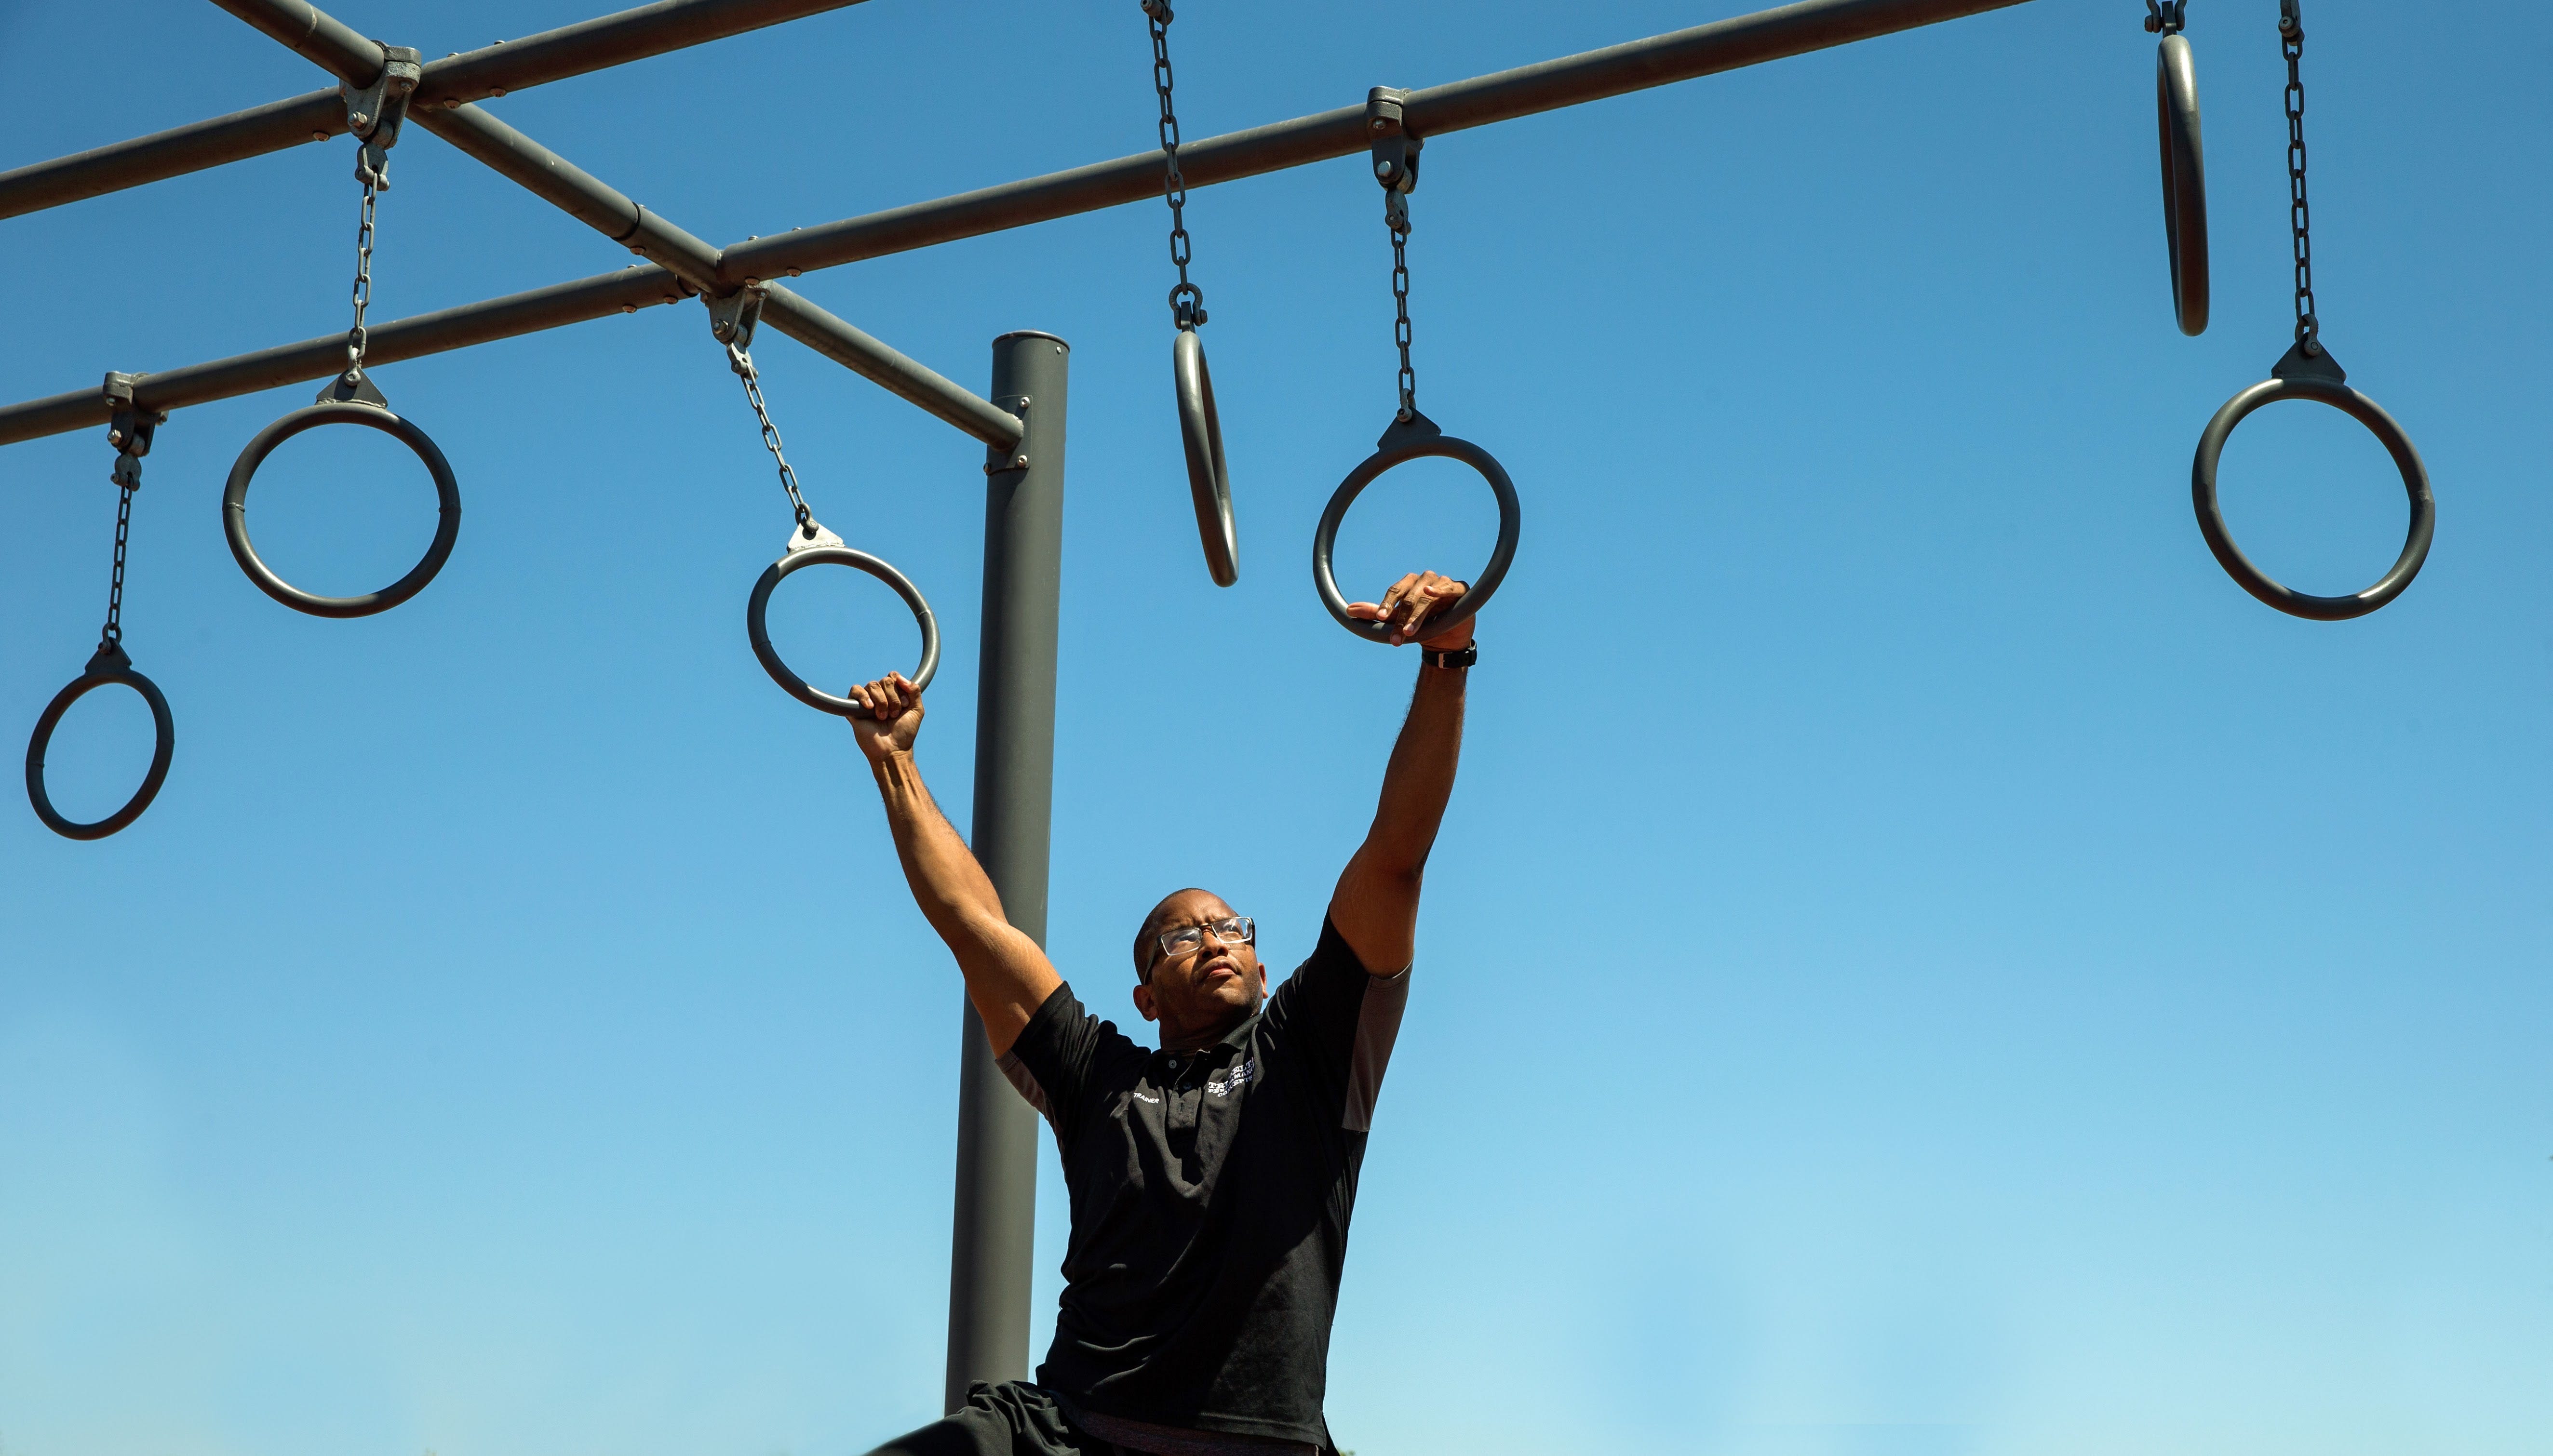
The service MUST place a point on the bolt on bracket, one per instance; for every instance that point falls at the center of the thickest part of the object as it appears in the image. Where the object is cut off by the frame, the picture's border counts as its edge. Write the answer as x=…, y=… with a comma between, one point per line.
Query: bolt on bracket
x=373, y=112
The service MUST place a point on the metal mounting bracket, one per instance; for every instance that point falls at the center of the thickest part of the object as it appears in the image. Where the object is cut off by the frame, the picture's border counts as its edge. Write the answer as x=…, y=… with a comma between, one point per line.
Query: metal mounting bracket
x=733, y=318
x=999, y=460
x=2167, y=17
x=1395, y=151
x=373, y=112
x=129, y=429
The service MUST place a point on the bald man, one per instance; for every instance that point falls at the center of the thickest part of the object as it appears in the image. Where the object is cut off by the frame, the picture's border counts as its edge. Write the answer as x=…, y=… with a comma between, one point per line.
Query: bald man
x=1211, y=1179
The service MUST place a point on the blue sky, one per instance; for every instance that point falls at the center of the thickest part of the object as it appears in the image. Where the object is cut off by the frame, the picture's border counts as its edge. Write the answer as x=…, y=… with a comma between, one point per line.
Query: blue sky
x=1918, y=963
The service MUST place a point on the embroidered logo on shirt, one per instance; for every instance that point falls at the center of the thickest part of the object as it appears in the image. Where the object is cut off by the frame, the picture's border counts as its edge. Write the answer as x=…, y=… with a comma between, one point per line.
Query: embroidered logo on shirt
x=1139, y=1098
x=1233, y=1081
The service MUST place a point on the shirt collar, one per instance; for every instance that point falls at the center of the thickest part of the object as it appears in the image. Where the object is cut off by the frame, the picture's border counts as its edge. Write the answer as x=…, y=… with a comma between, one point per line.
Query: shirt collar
x=1233, y=1040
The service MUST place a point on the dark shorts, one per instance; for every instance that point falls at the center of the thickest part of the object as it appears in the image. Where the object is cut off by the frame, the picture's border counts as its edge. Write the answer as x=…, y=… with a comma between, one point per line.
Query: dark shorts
x=1014, y=1418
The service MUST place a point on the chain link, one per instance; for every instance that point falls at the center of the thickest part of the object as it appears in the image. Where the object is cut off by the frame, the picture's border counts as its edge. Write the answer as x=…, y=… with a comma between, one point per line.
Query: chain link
x=1397, y=219
x=2291, y=41
x=113, y=635
x=357, y=337
x=1188, y=300
x=742, y=363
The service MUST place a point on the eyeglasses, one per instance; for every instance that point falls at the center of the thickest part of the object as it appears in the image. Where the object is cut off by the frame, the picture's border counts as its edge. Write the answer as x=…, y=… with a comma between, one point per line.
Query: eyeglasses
x=1182, y=939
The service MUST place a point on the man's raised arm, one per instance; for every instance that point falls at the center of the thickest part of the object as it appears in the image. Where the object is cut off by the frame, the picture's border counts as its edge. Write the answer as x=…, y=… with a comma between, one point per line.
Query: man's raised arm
x=1007, y=976
x=1375, y=905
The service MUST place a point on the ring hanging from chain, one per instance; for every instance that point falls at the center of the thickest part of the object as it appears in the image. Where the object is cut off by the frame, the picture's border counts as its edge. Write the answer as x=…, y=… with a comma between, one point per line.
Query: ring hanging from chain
x=1416, y=438
x=1209, y=478
x=2325, y=389
x=1191, y=384
x=447, y=495
x=1411, y=435
x=350, y=398
x=732, y=321
x=2184, y=180
x=110, y=665
x=2308, y=372
x=823, y=548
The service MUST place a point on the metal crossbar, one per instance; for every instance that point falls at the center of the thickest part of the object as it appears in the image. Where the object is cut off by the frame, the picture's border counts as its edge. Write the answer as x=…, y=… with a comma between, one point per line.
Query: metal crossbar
x=681, y=264
x=472, y=75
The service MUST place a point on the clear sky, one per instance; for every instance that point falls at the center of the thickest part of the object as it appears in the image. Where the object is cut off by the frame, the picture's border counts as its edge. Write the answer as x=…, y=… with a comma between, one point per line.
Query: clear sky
x=1918, y=964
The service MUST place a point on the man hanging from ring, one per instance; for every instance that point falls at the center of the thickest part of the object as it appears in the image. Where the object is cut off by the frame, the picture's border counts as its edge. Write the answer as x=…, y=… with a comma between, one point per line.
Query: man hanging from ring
x=1212, y=1178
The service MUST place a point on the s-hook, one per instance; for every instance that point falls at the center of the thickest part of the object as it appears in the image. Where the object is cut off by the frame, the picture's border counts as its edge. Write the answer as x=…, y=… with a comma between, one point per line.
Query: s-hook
x=373, y=114
x=1200, y=427
x=2308, y=372
x=130, y=432
x=731, y=322
x=1411, y=435
x=2184, y=164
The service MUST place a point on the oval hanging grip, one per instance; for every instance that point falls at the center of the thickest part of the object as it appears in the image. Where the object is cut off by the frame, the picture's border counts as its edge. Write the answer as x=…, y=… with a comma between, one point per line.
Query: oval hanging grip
x=109, y=666
x=2415, y=484
x=1209, y=478
x=1416, y=439
x=447, y=494
x=823, y=548
x=2184, y=181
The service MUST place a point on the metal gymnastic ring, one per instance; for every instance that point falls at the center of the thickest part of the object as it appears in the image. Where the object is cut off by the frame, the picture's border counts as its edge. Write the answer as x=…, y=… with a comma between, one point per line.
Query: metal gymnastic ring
x=110, y=665
x=2184, y=181
x=1209, y=480
x=833, y=554
x=2415, y=484
x=447, y=494
x=1401, y=444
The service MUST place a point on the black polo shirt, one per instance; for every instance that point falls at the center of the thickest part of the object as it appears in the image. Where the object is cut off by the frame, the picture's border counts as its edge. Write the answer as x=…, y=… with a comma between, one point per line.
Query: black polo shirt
x=1210, y=1199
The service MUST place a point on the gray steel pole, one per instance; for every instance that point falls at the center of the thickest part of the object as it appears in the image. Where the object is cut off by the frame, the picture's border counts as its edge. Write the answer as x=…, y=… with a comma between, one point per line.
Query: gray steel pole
x=994, y=1229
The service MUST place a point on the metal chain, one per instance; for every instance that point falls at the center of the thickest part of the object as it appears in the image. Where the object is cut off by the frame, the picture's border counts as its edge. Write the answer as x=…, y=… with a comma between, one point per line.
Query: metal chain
x=357, y=337
x=1188, y=300
x=2291, y=37
x=742, y=363
x=1397, y=219
x=113, y=635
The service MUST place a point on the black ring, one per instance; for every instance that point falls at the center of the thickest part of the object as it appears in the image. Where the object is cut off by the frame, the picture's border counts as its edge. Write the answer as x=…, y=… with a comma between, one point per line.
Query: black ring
x=1400, y=445
x=447, y=492
x=2184, y=181
x=162, y=725
x=795, y=686
x=2415, y=484
x=1209, y=478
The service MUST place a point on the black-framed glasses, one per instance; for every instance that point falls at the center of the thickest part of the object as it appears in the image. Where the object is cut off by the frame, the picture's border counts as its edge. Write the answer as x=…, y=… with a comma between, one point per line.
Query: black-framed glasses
x=1235, y=930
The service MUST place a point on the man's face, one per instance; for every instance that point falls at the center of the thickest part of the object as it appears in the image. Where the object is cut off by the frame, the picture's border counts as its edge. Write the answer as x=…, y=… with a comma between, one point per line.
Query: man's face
x=1205, y=989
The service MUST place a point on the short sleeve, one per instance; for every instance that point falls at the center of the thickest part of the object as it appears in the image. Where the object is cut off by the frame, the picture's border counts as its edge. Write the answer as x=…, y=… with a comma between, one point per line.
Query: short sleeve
x=1343, y=1020
x=1050, y=1064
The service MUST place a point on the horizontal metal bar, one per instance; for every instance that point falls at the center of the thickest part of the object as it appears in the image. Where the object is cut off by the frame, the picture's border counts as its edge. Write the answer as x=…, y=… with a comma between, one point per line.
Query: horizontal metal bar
x=1591, y=75
x=625, y=291
x=875, y=362
x=454, y=80
x=578, y=193
x=1745, y=41
x=320, y=39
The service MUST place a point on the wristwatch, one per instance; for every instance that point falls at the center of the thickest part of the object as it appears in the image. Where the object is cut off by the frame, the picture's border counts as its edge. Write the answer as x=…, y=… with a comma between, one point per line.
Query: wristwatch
x=1463, y=657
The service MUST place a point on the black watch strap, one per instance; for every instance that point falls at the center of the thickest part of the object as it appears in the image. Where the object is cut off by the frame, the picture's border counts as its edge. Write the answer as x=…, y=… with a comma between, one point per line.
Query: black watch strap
x=1462, y=658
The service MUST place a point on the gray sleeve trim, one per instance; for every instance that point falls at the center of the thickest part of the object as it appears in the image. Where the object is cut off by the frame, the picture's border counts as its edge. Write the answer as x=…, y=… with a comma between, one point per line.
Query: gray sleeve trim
x=1025, y=1082
x=1377, y=1027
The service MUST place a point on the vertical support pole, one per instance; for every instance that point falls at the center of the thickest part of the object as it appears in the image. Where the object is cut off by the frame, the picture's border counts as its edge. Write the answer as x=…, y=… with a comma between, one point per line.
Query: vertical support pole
x=990, y=1259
